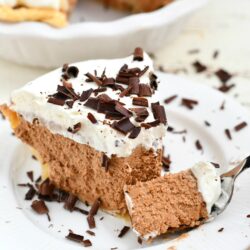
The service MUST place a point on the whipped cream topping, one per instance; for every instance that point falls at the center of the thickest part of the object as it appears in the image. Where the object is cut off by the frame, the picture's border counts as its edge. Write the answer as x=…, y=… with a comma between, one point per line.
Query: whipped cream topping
x=31, y=101
x=209, y=183
x=54, y=4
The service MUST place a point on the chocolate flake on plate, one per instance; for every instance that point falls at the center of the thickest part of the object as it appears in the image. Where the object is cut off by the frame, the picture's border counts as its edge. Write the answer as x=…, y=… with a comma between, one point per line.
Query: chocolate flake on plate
x=91, y=221
x=46, y=188
x=39, y=207
x=31, y=193
x=189, y=103
x=87, y=243
x=198, y=145
x=248, y=216
x=221, y=229
x=215, y=54
x=75, y=237
x=80, y=210
x=140, y=101
x=199, y=67
x=226, y=88
x=138, y=54
x=222, y=106
x=92, y=118
x=223, y=75
x=139, y=240
x=228, y=134
x=30, y=175
x=170, y=99
x=240, y=126
x=90, y=233
x=216, y=165
x=124, y=230
x=166, y=162
x=208, y=124
x=70, y=202
x=135, y=132
x=124, y=125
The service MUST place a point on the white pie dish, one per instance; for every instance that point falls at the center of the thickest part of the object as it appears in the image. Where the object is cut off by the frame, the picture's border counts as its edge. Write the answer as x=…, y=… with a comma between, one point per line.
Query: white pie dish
x=103, y=34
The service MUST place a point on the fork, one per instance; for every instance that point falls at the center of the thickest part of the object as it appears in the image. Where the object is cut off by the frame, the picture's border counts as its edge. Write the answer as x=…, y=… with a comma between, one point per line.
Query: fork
x=227, y=184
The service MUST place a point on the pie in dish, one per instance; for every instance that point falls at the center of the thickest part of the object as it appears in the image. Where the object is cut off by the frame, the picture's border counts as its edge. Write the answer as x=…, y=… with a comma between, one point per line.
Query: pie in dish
x=137, y=5
x=96, y=126
x=53, y=12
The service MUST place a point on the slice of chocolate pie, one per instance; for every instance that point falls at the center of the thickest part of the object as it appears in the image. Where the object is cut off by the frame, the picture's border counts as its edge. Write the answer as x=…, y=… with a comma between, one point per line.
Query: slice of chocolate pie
x=96, y=126
x=173, y=202
x=53, y=12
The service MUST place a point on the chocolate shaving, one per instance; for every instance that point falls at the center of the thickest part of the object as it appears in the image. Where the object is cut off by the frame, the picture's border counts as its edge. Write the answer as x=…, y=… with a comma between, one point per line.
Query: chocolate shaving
x=240, y=126
x=46, y=188
x=189, y=103
x=248, y=216
x=95, y=207
x=222, y=107
x=99, y=90
x=141, y=114
x=30, y=175
x=39, y=207
x=75, y=237
x=138, y=54
x=31, y=193
x=139, y=240
x=124, y=125
x=221, y=229
x=72, y=71
x=127, y=91
x=105, y=162
x=90, y=233
x=226, y=88
x=92, y=118
x=93, y=79
x=140, y=101
x=208, y=124
x=223, y=75
x=228, y=134
x=216, y=165
x=198, y=145
x=120, y=109
x=170, y=99
x=144, y=90
x=56, y=101
x=75, y=128
x=108, y=82
x=124, y=230
x=215, y=54
x=199, y=67
x=85, y=95
x=92, y=103
x=159, y=112
x=153, y=81
x=135, y=132
x=70, y=103
x=87, y=243
x=166, y=162
x=149, y=125
x=80, y=210
x=91, y=221
x=70, y=202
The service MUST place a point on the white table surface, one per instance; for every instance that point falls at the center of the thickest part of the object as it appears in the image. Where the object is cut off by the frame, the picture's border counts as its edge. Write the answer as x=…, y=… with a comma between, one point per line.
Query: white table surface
x=222, y=25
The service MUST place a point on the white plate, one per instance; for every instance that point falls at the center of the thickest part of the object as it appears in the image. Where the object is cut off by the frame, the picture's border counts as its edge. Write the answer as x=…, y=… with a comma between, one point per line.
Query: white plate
x=21, y=228
x=94, y=32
